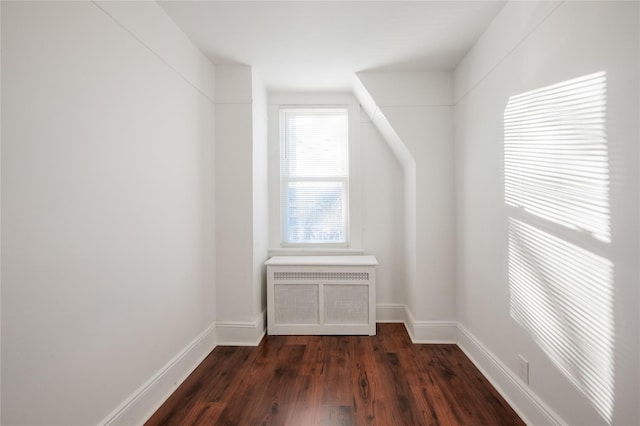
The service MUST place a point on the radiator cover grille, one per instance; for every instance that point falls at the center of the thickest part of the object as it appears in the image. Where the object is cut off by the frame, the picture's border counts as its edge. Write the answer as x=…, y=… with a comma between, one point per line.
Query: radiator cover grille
x=324, y=276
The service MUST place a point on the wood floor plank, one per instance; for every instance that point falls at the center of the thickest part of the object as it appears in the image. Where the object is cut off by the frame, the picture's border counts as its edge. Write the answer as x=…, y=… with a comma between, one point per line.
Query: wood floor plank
x=363, y=369
x=305, y=410
x=398, y=395
x=313, y=362
x=273, y=406
x=252, y=383
x=337, y=380
x=337, y=415
x=337, y=391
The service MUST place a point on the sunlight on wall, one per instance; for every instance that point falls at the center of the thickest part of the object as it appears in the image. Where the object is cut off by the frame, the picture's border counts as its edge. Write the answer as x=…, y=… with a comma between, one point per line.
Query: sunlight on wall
x=557, y=183
x=561, y=293
x=555, y=150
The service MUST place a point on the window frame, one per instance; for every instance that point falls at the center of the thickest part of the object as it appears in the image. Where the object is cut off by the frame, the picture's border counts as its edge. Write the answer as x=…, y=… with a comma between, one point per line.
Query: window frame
x=285, y=180
x=353, y=215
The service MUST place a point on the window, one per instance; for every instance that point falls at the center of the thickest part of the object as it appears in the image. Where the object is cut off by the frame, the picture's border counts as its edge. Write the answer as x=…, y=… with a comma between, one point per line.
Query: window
x=314, y=176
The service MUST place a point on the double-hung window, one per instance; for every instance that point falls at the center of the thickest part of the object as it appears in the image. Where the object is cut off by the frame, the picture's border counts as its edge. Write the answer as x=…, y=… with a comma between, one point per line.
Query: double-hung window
x=314, y=176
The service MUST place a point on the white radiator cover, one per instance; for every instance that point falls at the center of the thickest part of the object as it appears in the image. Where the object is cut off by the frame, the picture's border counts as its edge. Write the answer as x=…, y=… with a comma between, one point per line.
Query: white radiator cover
x=321, y=295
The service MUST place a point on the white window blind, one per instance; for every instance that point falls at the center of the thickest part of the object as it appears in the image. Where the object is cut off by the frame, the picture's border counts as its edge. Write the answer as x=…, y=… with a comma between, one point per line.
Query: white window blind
x=314, y=171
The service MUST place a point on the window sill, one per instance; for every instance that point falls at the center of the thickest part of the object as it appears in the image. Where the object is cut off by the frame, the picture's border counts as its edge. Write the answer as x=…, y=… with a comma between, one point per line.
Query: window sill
x=314, y=251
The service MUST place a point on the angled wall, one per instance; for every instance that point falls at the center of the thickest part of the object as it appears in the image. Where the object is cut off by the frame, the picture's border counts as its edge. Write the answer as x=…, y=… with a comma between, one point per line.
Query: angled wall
x=413, y=111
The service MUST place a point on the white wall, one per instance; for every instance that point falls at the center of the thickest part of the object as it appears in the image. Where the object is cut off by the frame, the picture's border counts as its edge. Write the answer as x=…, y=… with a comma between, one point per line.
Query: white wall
x=418, y=106
x=1, y=55
x=234, y=199
x=260, y=191
x=530, y=46
x=234, y=211
x=108, y=211
x=240, y=212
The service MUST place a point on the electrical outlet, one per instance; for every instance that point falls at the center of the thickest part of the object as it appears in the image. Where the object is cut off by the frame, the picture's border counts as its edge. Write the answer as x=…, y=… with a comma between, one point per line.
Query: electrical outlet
x=523, y=369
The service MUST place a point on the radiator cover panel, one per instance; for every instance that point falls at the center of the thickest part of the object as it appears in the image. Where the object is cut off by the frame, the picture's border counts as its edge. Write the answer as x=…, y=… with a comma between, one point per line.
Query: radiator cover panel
x=296, y=304
x=346, y=304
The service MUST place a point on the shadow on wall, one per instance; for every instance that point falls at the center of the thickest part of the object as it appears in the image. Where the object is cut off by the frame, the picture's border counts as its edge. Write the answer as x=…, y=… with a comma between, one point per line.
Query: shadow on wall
x=556, y=169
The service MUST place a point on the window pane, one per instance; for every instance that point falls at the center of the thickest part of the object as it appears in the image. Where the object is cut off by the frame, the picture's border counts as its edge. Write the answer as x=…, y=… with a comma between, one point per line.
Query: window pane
x=316, y=144
x=315, y=212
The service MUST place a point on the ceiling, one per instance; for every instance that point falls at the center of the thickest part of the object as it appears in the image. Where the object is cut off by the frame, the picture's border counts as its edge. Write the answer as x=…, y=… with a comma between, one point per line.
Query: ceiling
x=319, y=45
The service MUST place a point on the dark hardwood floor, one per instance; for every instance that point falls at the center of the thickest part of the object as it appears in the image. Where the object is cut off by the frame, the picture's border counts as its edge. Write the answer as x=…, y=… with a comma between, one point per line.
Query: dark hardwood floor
x=337, y=380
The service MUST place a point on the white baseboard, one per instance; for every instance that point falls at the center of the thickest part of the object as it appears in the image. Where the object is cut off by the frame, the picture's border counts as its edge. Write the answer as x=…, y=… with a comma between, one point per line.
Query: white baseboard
x=430, y=331
x=140, y=405
x=248, y=333
x=389, y=312
x=521, y=398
